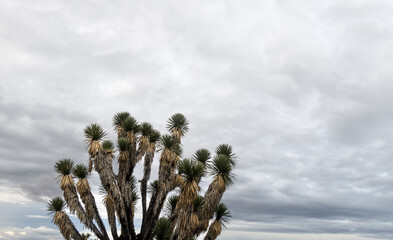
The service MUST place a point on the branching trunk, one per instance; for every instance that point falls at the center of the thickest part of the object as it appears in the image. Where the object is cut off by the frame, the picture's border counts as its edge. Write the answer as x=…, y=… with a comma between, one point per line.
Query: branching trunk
x=71, y=197
x=146, y=176
x=109, y=182
x=213, y=196
x=165, y=179
x=110, y=209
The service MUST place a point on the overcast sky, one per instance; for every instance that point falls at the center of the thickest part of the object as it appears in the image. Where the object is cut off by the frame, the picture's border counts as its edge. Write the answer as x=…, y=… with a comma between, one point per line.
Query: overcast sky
x=302, y=90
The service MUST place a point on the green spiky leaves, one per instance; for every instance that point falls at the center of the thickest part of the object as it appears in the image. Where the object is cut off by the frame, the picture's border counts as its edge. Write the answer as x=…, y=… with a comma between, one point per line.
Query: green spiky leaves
x=146, y=129
x=162, y=229
x=198, y=203
x=154, y=136
x=94, y=132
x=171, y=203
x=64, y=166
x=123, y=144
x=222, y=167
x=130, y=124
x=190, y=170
x=177, y=124
x=119, y=118
x=56, y=204
x=108, y=146
x=80, y=171
x=226, y=149
x=152, y=187
x=222, y=214
x=94, y=135
x=169, y=147
x=202, y=156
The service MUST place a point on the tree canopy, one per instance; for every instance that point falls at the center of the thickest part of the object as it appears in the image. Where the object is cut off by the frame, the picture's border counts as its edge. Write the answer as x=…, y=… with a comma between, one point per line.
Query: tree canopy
x=188, y=213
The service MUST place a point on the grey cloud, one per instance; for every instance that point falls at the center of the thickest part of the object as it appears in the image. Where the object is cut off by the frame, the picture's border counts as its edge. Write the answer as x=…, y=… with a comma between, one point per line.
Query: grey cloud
x=300, y=89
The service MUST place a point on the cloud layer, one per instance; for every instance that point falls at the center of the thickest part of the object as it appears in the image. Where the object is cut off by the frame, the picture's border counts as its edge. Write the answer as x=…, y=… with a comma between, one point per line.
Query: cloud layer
x=300, y=89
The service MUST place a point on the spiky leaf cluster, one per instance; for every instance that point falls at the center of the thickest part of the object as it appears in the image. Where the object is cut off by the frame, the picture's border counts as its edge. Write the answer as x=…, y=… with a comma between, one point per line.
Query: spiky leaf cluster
x=188, y=212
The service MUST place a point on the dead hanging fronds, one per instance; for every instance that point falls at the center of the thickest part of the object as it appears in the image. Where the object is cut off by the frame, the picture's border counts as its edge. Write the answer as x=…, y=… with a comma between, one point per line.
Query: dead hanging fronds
x=94, y=135
x=83, y=186
x=65, y=181
x=194, y=220
x=188, y=216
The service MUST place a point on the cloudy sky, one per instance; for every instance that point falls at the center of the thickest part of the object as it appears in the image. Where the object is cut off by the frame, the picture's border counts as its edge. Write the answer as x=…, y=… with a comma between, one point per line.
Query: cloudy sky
x=302, y=90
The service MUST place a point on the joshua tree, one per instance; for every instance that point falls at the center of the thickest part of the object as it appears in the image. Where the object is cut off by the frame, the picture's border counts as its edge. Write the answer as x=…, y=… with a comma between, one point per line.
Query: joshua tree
x=222, y=215
x=188, y=213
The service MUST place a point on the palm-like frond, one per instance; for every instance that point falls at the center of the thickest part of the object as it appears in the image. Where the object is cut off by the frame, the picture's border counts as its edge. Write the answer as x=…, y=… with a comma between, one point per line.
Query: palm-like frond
x=221, y=167
x=177, y=124
x=80, y=171
x=56, y=204
x=56, y=208
x=108, y=146
x=171, y=204
x=198, y=203
x=94, y=135
x=130, y=124
x=64, y=166
x=226, y=149
x=190, y=170
x=152, y=187
x=123, y=145
x=146, y=129
x=118, y=120
x=144, y=142
x=168, y=145
x=202, y=156
x=162, y=229
x=94, y=132
x=222, y=214
x=154, y=135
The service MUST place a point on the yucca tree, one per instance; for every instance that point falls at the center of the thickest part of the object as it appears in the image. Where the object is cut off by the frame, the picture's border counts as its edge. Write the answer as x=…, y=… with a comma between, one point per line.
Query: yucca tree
x=162, y=229
x=226, y=149
x=171, y=206
x=221, y=170
x=144, y=142
x=222, y=215
x=153, y=138
x=190, y=172
x=64, y=168
x=188, y=213
x=109, y=179
x=170, y=155
x=94, y=135
x=56, y=208
x=118, y=120
x=198, y=206
x=130, y=128
x=109, y=204
x=81, y=172
x=203, y=156
x=177, y=125
x=123, y=158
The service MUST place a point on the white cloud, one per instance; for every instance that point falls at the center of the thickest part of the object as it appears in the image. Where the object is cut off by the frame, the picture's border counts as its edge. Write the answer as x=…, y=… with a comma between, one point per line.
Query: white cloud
x=300, y=89
x=42, y=232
